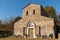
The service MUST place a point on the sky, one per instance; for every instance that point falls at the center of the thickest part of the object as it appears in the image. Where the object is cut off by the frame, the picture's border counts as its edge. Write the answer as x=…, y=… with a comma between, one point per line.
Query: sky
x=13, y=8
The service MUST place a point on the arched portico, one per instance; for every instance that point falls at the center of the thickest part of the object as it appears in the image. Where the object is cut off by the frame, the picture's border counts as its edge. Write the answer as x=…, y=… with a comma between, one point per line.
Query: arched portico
x=31, y=30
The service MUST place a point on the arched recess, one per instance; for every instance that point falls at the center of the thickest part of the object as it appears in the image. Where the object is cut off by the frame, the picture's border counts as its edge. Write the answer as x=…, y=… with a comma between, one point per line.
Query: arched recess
x=31, y=29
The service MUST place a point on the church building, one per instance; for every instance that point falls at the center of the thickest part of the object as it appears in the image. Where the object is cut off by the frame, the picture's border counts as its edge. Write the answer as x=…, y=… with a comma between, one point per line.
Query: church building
x=34, y=23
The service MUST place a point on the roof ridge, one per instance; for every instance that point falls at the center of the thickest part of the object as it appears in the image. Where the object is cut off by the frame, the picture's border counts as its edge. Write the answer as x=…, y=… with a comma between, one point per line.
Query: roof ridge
x=29, y=4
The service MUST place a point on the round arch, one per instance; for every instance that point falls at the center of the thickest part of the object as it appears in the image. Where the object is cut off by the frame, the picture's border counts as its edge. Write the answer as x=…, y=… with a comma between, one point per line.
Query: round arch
x=31, y=24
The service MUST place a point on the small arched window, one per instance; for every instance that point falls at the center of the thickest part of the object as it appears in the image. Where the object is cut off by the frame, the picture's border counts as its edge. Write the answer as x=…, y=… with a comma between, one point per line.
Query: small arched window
x=26, y=12
x=33, y=11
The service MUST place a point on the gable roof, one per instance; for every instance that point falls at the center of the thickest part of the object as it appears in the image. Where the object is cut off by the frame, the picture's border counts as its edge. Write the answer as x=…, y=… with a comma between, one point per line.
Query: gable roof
x=28, y=5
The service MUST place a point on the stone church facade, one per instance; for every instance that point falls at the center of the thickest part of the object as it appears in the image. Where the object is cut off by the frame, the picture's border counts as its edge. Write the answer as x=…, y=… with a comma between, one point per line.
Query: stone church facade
x=34, y=23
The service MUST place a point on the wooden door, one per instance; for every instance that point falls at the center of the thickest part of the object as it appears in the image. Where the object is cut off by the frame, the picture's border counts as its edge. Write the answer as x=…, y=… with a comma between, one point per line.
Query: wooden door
x=31, y=32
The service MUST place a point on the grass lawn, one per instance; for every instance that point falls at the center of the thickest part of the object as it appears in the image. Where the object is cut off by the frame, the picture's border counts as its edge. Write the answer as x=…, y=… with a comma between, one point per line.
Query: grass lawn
x=7, y=38
x=13, y=38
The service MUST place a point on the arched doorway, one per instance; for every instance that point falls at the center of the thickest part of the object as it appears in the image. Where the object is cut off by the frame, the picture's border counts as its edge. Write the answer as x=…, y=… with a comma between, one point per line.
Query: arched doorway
x=31, y=30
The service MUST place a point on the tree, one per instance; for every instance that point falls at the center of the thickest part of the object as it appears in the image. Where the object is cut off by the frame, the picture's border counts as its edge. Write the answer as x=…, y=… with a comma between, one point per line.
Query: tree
x=58, y=17
x=9, y=24
x=17, y=18
x=50, y=11
x=0, y=24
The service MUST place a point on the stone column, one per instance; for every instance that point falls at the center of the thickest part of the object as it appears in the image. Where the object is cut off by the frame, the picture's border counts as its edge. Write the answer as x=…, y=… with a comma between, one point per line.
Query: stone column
x=25, y=32
x=37, y=31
